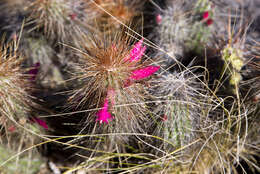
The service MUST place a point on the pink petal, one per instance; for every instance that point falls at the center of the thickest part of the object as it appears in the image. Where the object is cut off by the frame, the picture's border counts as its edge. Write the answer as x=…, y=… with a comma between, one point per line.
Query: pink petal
x=139, y=56
x=103, y=115
x=209, y=22
x=137, y=47
x=140, y=74
x=40, y=122
x=106, y=104
x=158, y=19
x=205, y=15
x=137, y=52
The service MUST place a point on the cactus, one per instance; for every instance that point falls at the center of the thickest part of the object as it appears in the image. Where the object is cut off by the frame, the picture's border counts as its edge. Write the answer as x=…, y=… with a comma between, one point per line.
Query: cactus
x=181, y=97
x=111, y=74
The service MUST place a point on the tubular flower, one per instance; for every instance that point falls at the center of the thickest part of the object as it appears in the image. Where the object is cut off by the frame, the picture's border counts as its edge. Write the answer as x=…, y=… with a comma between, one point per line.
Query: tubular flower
x=136, y=53
x=205, y=15
x=103, y=114
x=143, y=73
x=39, y=122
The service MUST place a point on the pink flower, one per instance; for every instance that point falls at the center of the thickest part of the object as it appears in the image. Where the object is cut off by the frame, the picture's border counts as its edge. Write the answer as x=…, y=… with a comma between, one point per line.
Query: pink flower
x=158, y=19
x=209, y=22
x=205, y=15
x=137, y=52
x=103, y=114
x=135, y=55
x=142, y=73
x=39, y=122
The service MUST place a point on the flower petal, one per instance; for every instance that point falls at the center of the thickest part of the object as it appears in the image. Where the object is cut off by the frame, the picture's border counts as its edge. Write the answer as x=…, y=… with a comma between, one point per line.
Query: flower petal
x=138, y=56
x=137, y=52
x=205, y=15
x=209, y=22
x=40, y=122
x=103, y=114
x=136, y=48
x=140, y=74
x=106, y=104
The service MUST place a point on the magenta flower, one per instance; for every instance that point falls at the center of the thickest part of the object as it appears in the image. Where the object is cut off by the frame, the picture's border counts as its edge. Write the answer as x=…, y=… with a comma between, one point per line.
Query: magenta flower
x=205, y=15
x=209, y=22
x=143, y=73
x=103, y=115
x=39, y=122
x=137, y=52
x=135, y=55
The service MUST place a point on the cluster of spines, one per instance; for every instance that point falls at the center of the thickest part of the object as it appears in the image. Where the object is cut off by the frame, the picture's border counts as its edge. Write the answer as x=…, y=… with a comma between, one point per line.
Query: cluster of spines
x=16, y=105
x=112, y=75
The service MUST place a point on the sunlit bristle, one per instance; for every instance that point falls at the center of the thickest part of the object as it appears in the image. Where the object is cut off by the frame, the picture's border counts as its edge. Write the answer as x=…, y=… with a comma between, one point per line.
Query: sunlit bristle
x=14, y=84
x=113, y=14
x=50, y=16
